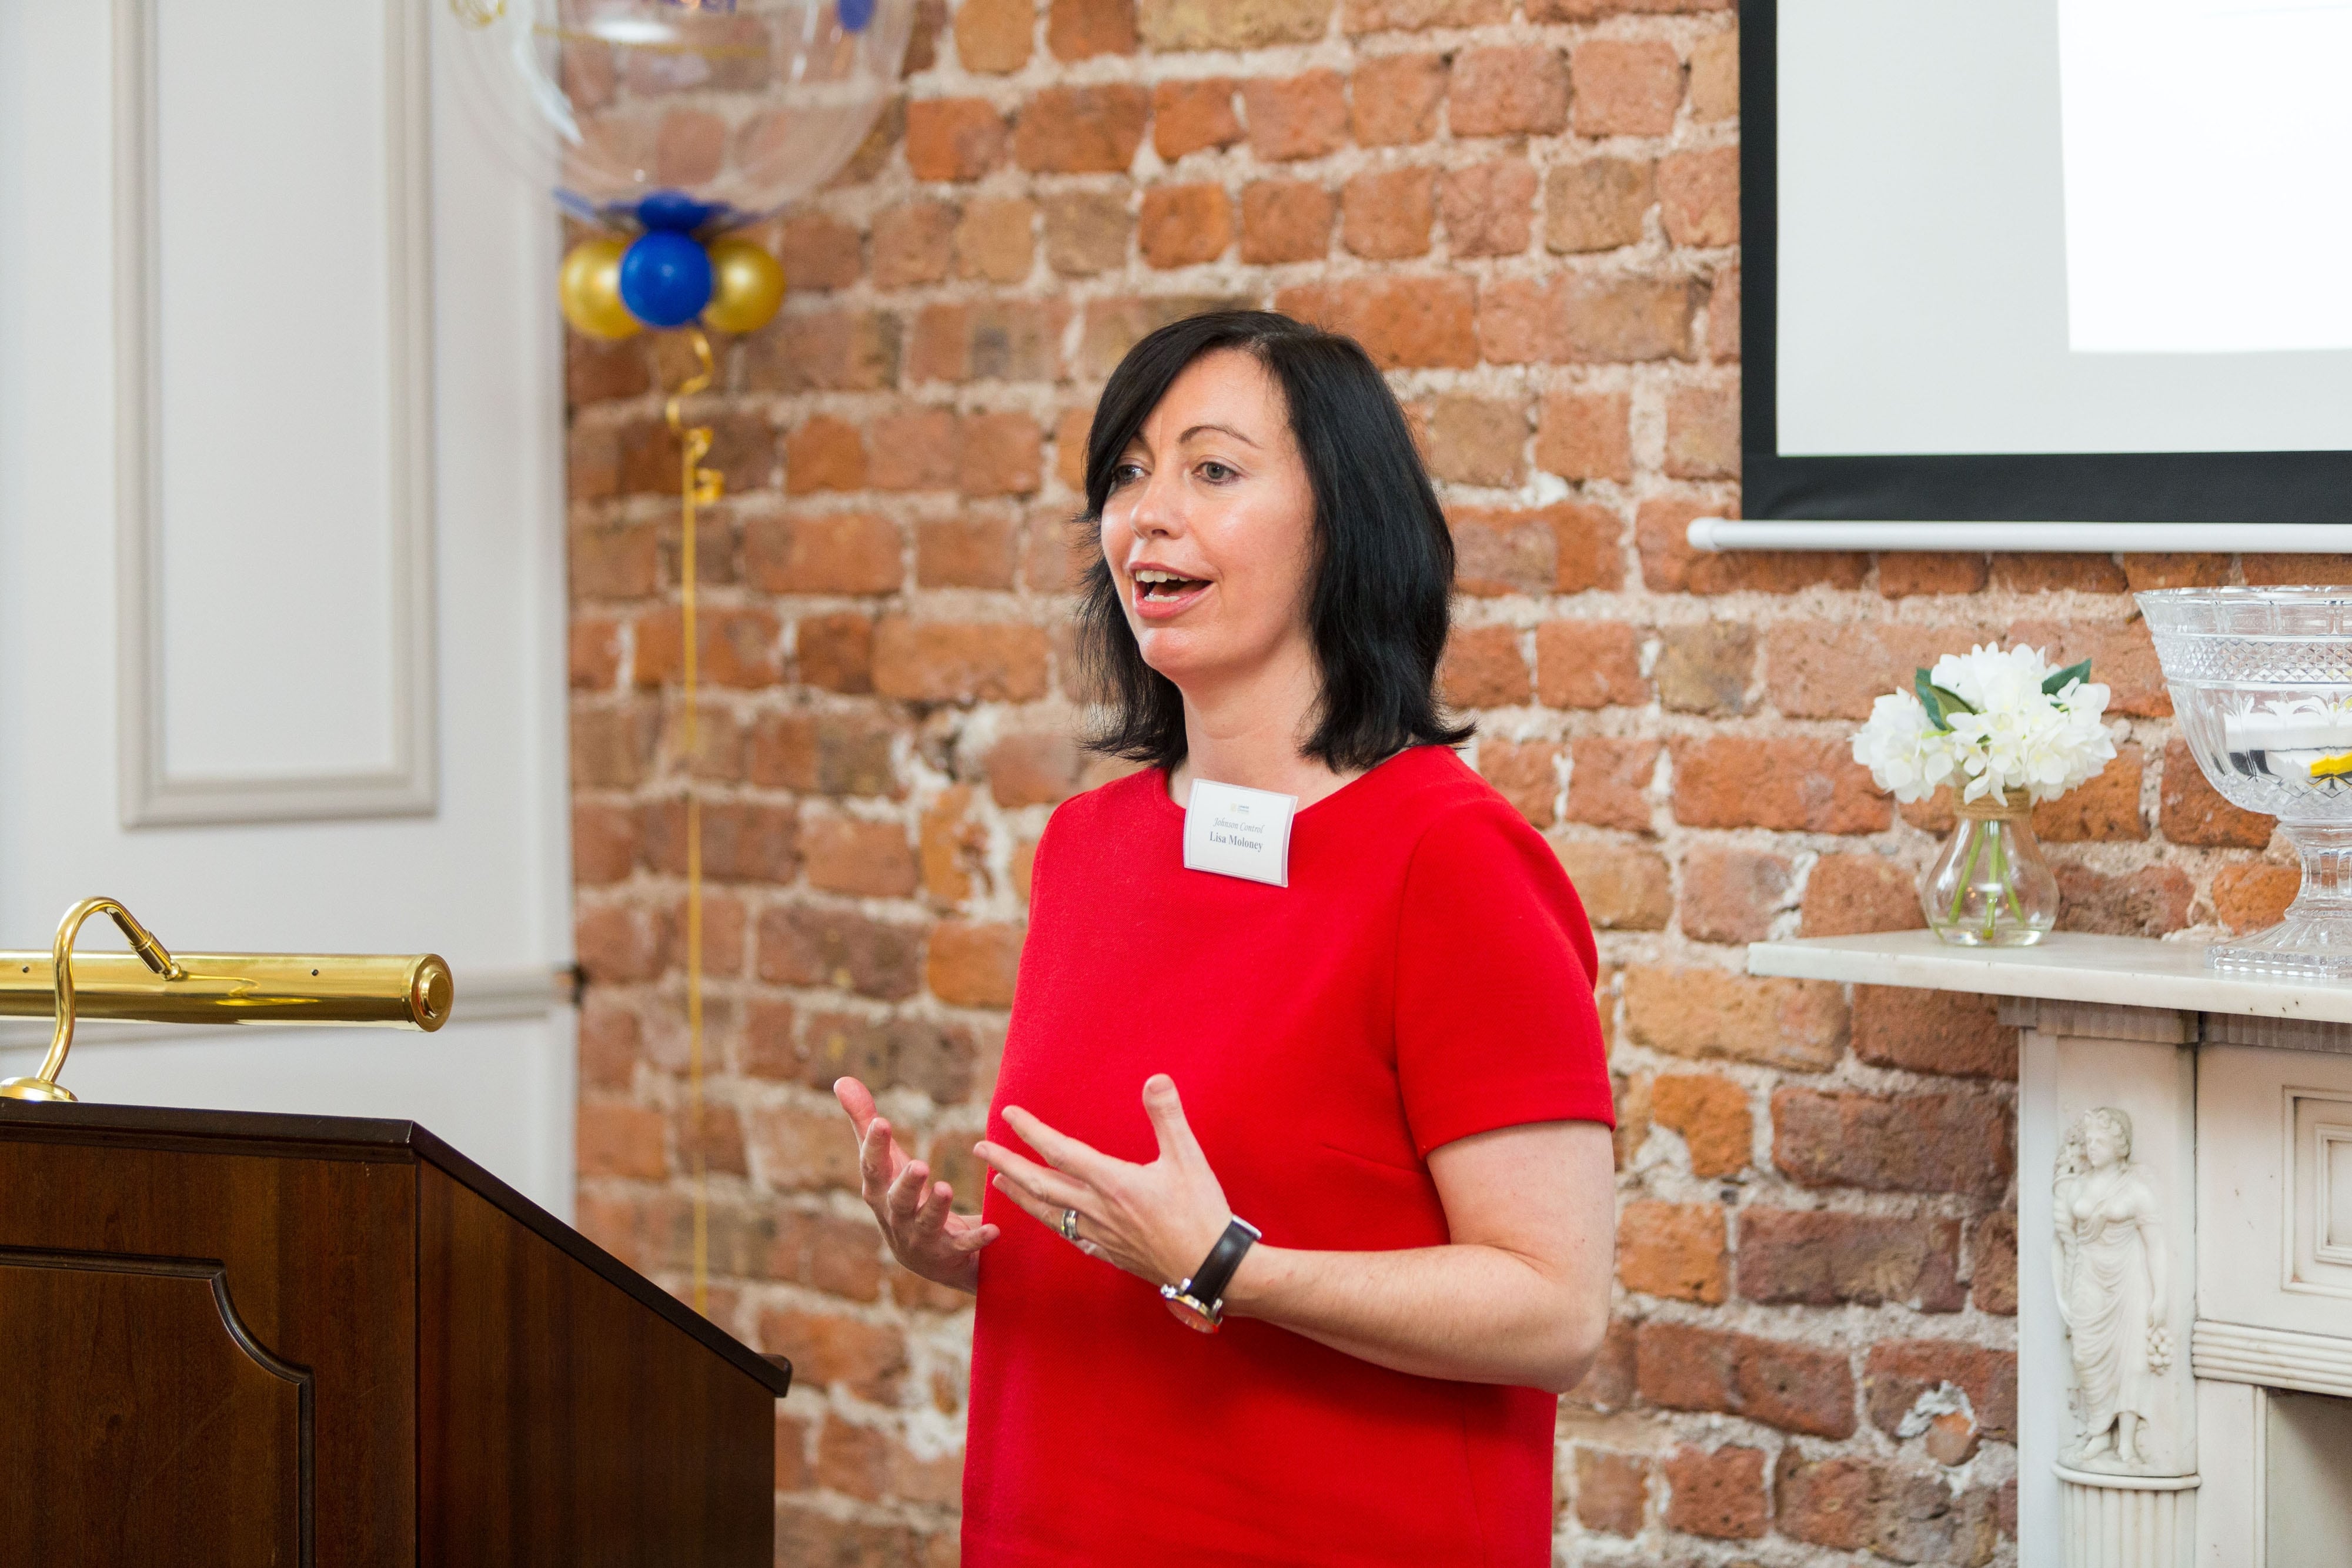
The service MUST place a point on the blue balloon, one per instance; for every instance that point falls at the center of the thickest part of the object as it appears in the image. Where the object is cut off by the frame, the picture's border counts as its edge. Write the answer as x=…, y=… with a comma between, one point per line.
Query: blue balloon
x=673, y=211
x=854, y=13
x=665, y=278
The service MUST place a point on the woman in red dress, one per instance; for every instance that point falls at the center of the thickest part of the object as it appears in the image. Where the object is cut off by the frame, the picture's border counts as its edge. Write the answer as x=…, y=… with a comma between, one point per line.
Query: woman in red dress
x=1316, y=1071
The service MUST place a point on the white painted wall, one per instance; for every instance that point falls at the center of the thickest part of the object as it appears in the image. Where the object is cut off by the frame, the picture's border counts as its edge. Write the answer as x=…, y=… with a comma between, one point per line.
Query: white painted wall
x=276, y=462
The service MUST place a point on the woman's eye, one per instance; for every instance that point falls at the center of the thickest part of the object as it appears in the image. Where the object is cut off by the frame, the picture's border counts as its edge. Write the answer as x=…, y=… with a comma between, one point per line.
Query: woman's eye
x=1126, y=473
x=1216, y=473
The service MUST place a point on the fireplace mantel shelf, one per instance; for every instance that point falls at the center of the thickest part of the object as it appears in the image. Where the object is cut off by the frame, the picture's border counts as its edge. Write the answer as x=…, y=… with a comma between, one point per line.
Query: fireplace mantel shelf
x=2071, y=967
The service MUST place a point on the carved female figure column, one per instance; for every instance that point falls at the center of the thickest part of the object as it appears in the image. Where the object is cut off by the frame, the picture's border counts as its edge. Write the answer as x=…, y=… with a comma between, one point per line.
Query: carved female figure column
x=2111, y=1269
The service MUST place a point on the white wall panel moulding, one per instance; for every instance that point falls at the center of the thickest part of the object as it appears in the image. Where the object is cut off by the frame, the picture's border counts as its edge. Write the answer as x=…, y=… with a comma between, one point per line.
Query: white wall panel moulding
x=2272, y=1358
x=274, y=412
x=2096, y=538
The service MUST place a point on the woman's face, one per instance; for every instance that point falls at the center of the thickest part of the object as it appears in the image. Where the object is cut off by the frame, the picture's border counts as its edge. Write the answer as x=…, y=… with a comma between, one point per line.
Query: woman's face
x=1209, y=526
x=2102, y=1145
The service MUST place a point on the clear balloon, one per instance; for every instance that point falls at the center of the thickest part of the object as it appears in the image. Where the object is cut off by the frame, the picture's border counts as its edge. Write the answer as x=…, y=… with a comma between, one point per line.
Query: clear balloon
x=739, y=105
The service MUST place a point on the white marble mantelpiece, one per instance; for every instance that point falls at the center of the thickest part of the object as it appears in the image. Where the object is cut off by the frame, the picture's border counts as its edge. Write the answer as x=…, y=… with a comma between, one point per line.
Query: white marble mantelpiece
x=2238, y=1094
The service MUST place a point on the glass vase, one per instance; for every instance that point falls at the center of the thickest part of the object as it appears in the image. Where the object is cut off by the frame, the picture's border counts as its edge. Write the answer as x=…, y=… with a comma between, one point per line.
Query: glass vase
x=1990, y=887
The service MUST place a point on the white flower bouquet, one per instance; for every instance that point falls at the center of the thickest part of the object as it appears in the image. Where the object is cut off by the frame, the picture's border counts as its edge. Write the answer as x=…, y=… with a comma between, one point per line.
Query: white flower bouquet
x=2005, y=730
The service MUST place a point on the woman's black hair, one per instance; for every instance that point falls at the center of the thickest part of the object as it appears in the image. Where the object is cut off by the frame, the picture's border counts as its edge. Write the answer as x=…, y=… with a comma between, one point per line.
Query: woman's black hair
x=1383, y=572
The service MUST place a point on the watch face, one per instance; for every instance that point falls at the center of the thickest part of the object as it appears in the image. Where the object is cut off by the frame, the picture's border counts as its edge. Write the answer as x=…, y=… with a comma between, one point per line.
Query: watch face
x=1191, y=1314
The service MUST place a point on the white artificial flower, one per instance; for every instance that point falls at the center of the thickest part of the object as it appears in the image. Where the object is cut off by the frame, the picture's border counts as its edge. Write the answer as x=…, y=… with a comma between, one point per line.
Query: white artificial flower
x=2004, y=734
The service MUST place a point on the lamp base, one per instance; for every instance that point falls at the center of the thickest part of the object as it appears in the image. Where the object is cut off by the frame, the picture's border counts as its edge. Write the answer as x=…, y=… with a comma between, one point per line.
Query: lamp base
x=32, y=1089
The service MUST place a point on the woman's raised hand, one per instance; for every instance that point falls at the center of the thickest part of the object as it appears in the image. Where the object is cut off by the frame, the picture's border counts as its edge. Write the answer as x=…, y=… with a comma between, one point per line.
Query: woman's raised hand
x=925, y=1235
x=1155, y=1222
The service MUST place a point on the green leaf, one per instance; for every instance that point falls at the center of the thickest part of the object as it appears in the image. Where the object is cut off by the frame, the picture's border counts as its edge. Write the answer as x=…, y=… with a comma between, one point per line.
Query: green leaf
x=1926, y=692
x=1953, y=699
x=2057, y=683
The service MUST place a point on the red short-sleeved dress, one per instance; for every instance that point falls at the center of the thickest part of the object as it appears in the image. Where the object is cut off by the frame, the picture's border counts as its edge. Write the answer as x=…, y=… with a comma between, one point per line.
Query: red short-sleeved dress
x=1426, y=975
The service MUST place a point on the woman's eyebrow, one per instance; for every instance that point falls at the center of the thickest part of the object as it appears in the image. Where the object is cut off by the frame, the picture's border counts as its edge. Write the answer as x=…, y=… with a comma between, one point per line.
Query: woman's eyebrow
x=1228, y=429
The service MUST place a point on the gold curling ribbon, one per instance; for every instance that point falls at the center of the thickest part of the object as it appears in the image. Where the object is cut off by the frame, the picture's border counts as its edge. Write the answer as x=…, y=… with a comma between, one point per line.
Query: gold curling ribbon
x=698, y=486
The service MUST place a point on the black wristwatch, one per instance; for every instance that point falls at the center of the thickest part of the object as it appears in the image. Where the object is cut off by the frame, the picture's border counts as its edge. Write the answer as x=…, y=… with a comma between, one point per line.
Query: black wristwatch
x=1199, y=1302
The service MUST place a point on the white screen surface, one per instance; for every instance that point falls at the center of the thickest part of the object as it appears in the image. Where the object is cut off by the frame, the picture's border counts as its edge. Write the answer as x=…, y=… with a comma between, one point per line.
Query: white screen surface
x=1929, y=298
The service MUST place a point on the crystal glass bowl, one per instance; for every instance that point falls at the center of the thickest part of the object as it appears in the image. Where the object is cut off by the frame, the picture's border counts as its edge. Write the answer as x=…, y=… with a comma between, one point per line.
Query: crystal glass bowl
x=2261, y=682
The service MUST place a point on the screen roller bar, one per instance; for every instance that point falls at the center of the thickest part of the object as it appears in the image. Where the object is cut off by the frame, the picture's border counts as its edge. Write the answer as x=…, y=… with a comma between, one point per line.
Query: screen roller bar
x=1977, y=539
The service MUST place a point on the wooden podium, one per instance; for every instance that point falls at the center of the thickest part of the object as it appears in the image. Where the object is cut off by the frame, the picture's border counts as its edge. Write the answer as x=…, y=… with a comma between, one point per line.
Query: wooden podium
x=235, y=1339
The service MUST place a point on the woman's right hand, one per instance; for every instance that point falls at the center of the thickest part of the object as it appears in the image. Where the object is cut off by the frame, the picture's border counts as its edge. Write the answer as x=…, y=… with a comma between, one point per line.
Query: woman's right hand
x=925, y=1236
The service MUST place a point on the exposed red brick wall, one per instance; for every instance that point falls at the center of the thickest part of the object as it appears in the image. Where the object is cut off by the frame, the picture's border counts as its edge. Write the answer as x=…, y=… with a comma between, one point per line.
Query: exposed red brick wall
x=1529, y=215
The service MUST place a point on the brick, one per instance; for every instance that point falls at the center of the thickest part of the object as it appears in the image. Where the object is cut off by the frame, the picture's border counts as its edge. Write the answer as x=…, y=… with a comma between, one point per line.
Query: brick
x=951, y=845
x=1625, y=86
x=2122, y=655
x=621, y=1141
x=1624, y=887
x=1711, y=1114
x=887, y=1053
x=2252, y=897
x=1170, y=24
x=1597, y=204
x=1707, y=1013
x=2053, y=571
x=1487, y=208
x=831, y=1350
x=829, y=351
x=603, y=842
x=1918, y=1143
x=2103, y=810
x=954, y=138
x=1609, y=781
x=820, y=252
x=994, y=37
x=1086, y=232
x=1718, y=1493
x=1822, y=1258
x=869, y=1463
x=732, y=648
x=2144, y=572
x=1286, y=220
x=914, y=449
x=1585, y=435
x=1849, y=895
x=1393, y=98
x=998, y=339
x=1993, y=1252
x=1898, y=1370
x=959, y=662
x=1589, y=665
x=1385, y=214
x=593, y=662
x=613, y=562
x=597, y=372
x=806, y=1535
x=1415, y=15
x=1702, y=432
x=1672, y=1250
x=1034, y=770
x=1483, y=667
x=1184, y=225
x=846, y=855
x=1611, y=1491
x=993, y=240
x=1402, y=322
x=1001, y=455
x=835, y=552
x=1723, y=315
x=1475, y=440
x=2289, y=570
x=1732, y=894
x=1795, y=1387
x=827, y=753
x=1082, y=30
x=1290, y=118
x=1715, y=77
x=803, y=945
x=834, y=653
x=1081, y=130
x=824, y=454
x=1669, y=565
x=613, y=747
x=1582, y=320
x=1503, y=552
x=1609, y=1385
x=1526, y=774
x=1904, y=574
x=2150, y=901
x=1791, y=784
x=973, y=965
x=1706, y=667
x=1821, y=669
x=1114, y=326
x=2193, y=813
x=1699, y=196
x=1193, y=116
x=1056, y=555
x=742, y=841
x=966, y=552
x=1511, y=90
x=1932, y=1031
x=1856, y=1504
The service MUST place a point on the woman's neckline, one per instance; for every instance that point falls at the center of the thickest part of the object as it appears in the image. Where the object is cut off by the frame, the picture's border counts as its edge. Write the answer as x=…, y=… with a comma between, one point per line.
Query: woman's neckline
x=1167, y=778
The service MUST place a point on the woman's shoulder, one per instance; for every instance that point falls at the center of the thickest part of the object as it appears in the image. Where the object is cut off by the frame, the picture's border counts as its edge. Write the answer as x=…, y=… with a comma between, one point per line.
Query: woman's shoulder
x=1120, y=801
x=1439, y=800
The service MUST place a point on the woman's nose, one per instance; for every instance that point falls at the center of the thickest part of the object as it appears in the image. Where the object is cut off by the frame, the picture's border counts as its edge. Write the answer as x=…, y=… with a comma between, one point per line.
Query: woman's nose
x=1159, y=510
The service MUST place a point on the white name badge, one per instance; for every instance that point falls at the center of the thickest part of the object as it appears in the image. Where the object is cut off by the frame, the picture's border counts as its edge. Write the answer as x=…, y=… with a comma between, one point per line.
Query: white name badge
x=1239, y=832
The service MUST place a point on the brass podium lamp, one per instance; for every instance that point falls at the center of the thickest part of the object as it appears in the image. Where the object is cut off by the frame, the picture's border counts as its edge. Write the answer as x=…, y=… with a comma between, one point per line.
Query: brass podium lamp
x=148, y=984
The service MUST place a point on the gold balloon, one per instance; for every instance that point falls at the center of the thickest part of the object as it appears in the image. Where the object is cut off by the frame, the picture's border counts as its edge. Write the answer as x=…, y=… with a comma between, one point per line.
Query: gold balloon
x=747, y=285
x=589, y=287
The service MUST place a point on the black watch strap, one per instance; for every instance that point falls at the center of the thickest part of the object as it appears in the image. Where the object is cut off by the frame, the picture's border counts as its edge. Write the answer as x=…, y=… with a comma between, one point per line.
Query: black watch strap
x=1208, y=1282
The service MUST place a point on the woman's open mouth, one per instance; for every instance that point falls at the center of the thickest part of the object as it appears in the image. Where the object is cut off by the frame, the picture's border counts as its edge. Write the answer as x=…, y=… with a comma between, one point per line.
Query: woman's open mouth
x=1160, y=594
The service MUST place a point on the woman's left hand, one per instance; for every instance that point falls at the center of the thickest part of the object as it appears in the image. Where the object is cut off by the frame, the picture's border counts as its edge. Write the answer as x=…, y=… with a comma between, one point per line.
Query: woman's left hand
x=1155, y=1222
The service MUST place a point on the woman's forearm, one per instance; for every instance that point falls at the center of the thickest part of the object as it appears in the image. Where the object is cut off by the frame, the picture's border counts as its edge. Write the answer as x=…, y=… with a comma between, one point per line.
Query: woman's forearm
x=1471, y=1314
